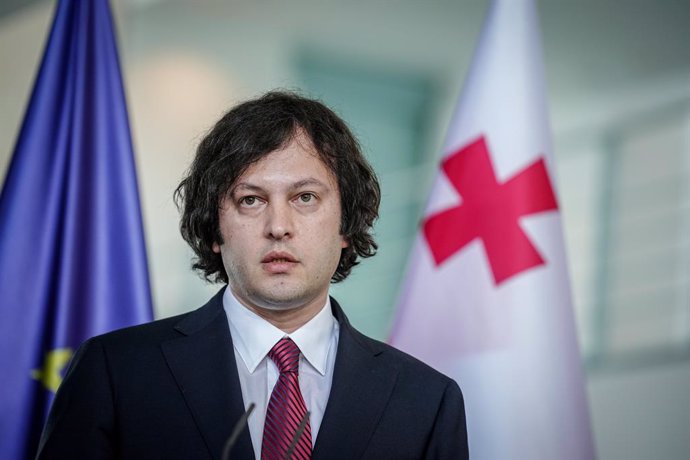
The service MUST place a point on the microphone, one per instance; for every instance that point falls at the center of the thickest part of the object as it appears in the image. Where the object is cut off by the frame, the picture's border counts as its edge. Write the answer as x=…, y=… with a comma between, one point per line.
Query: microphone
x=236, y=430
x=298, y=435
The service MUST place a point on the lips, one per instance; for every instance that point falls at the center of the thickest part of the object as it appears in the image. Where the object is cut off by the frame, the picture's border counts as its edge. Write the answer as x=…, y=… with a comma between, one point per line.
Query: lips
x=277, y=256
x=276, y=262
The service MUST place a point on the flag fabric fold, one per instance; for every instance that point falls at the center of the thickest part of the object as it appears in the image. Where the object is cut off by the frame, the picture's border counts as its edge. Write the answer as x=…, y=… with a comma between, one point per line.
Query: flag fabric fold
x=72, y=254
x=486, y=297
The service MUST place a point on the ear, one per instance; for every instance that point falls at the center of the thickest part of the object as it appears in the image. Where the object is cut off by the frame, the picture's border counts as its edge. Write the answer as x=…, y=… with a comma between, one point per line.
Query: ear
x=343, y=242
x=215, y=248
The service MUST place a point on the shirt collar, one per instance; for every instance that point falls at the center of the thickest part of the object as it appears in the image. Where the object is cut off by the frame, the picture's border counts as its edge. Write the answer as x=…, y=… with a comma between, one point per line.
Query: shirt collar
x=253, y=336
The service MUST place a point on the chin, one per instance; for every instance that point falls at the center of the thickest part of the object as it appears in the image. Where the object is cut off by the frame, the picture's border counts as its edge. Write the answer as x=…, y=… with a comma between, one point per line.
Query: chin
x=281, y=299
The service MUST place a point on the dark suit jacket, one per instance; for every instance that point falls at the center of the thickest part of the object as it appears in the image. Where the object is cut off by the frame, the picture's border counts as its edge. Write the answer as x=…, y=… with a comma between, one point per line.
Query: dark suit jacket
x=169, y=389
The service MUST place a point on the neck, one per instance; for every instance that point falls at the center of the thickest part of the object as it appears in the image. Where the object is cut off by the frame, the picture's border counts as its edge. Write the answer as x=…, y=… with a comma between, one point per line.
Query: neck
x=287, y=318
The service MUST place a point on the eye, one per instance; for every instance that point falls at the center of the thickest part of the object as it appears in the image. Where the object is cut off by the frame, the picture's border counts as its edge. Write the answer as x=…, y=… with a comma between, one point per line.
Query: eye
x=248, y=201
x=307, y=197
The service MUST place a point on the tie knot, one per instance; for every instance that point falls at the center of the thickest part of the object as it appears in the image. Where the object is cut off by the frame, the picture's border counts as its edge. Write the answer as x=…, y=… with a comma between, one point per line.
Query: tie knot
x=285, y=354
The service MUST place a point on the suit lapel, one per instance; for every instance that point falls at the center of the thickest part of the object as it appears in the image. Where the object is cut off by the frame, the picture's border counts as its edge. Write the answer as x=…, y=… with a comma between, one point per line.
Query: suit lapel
x=360, y=391
x=203, y=363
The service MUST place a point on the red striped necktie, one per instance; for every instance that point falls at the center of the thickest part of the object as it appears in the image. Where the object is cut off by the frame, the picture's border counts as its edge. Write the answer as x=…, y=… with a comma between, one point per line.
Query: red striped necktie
x=286, y=408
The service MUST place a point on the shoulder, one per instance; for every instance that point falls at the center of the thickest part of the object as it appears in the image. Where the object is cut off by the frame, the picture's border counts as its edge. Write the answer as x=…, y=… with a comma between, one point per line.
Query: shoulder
x=151, y=335
x=411, y=371
x=411, y=390
x=409, y=367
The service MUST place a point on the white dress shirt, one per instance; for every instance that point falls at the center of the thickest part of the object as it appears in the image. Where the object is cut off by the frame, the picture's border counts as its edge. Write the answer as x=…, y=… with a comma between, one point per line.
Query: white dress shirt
x=253, y=337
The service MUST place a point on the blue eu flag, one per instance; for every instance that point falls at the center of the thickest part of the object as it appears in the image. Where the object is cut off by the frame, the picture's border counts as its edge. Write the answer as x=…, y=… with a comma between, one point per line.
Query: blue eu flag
x=72, y=254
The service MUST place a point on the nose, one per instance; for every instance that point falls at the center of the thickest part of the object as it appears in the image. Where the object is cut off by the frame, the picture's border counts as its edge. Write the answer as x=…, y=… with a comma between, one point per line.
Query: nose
x=279, y=222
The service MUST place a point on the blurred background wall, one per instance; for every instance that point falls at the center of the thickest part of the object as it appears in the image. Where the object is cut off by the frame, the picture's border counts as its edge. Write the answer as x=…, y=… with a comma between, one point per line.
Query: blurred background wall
x=619, y=89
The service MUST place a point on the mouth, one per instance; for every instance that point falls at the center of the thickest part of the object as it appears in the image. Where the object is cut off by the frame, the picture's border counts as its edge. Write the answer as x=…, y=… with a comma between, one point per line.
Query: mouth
x=278, y=262
x=276, y=256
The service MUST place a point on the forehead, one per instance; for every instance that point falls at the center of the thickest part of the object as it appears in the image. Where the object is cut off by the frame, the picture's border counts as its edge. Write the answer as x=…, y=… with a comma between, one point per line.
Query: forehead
x=296, y=161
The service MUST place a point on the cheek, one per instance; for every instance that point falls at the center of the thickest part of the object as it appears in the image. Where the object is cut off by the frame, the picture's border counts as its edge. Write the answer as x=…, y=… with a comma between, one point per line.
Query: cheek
x=235, y=231
x=246, y=239
x=327, y=230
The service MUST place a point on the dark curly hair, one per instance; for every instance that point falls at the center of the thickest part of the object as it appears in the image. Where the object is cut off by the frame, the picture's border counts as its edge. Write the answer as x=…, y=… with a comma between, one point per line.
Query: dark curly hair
x=249, y=132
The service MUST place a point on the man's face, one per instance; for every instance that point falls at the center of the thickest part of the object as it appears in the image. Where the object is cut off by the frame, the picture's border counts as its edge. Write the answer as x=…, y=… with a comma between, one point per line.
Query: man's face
x=280, y=225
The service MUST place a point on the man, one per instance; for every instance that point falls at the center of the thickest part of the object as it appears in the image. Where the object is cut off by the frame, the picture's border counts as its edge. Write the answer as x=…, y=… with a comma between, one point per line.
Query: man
x=279, y=202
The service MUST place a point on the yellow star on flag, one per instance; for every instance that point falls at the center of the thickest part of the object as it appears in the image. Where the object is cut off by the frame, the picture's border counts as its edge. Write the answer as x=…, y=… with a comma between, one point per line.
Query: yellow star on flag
x=50, y=375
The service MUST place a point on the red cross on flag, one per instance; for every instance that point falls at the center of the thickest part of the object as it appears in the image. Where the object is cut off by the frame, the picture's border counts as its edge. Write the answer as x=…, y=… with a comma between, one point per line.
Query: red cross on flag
x=486, y=298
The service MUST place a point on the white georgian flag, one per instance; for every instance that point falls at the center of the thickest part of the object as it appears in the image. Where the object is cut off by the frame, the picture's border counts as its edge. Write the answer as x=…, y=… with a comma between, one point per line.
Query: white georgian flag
x=486, y=298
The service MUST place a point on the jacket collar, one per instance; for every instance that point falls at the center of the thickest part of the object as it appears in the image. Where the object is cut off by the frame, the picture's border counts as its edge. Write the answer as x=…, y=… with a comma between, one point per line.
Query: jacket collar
x=362, y=386
x=202, y=361
x=203, y=364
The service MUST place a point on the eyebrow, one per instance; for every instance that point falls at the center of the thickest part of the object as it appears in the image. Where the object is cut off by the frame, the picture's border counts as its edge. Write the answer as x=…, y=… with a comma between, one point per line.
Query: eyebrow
x=297, y=185
x=308, y=182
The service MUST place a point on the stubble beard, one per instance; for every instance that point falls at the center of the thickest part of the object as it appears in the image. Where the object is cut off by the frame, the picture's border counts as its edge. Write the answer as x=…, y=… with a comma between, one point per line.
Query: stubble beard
x=273, y=294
